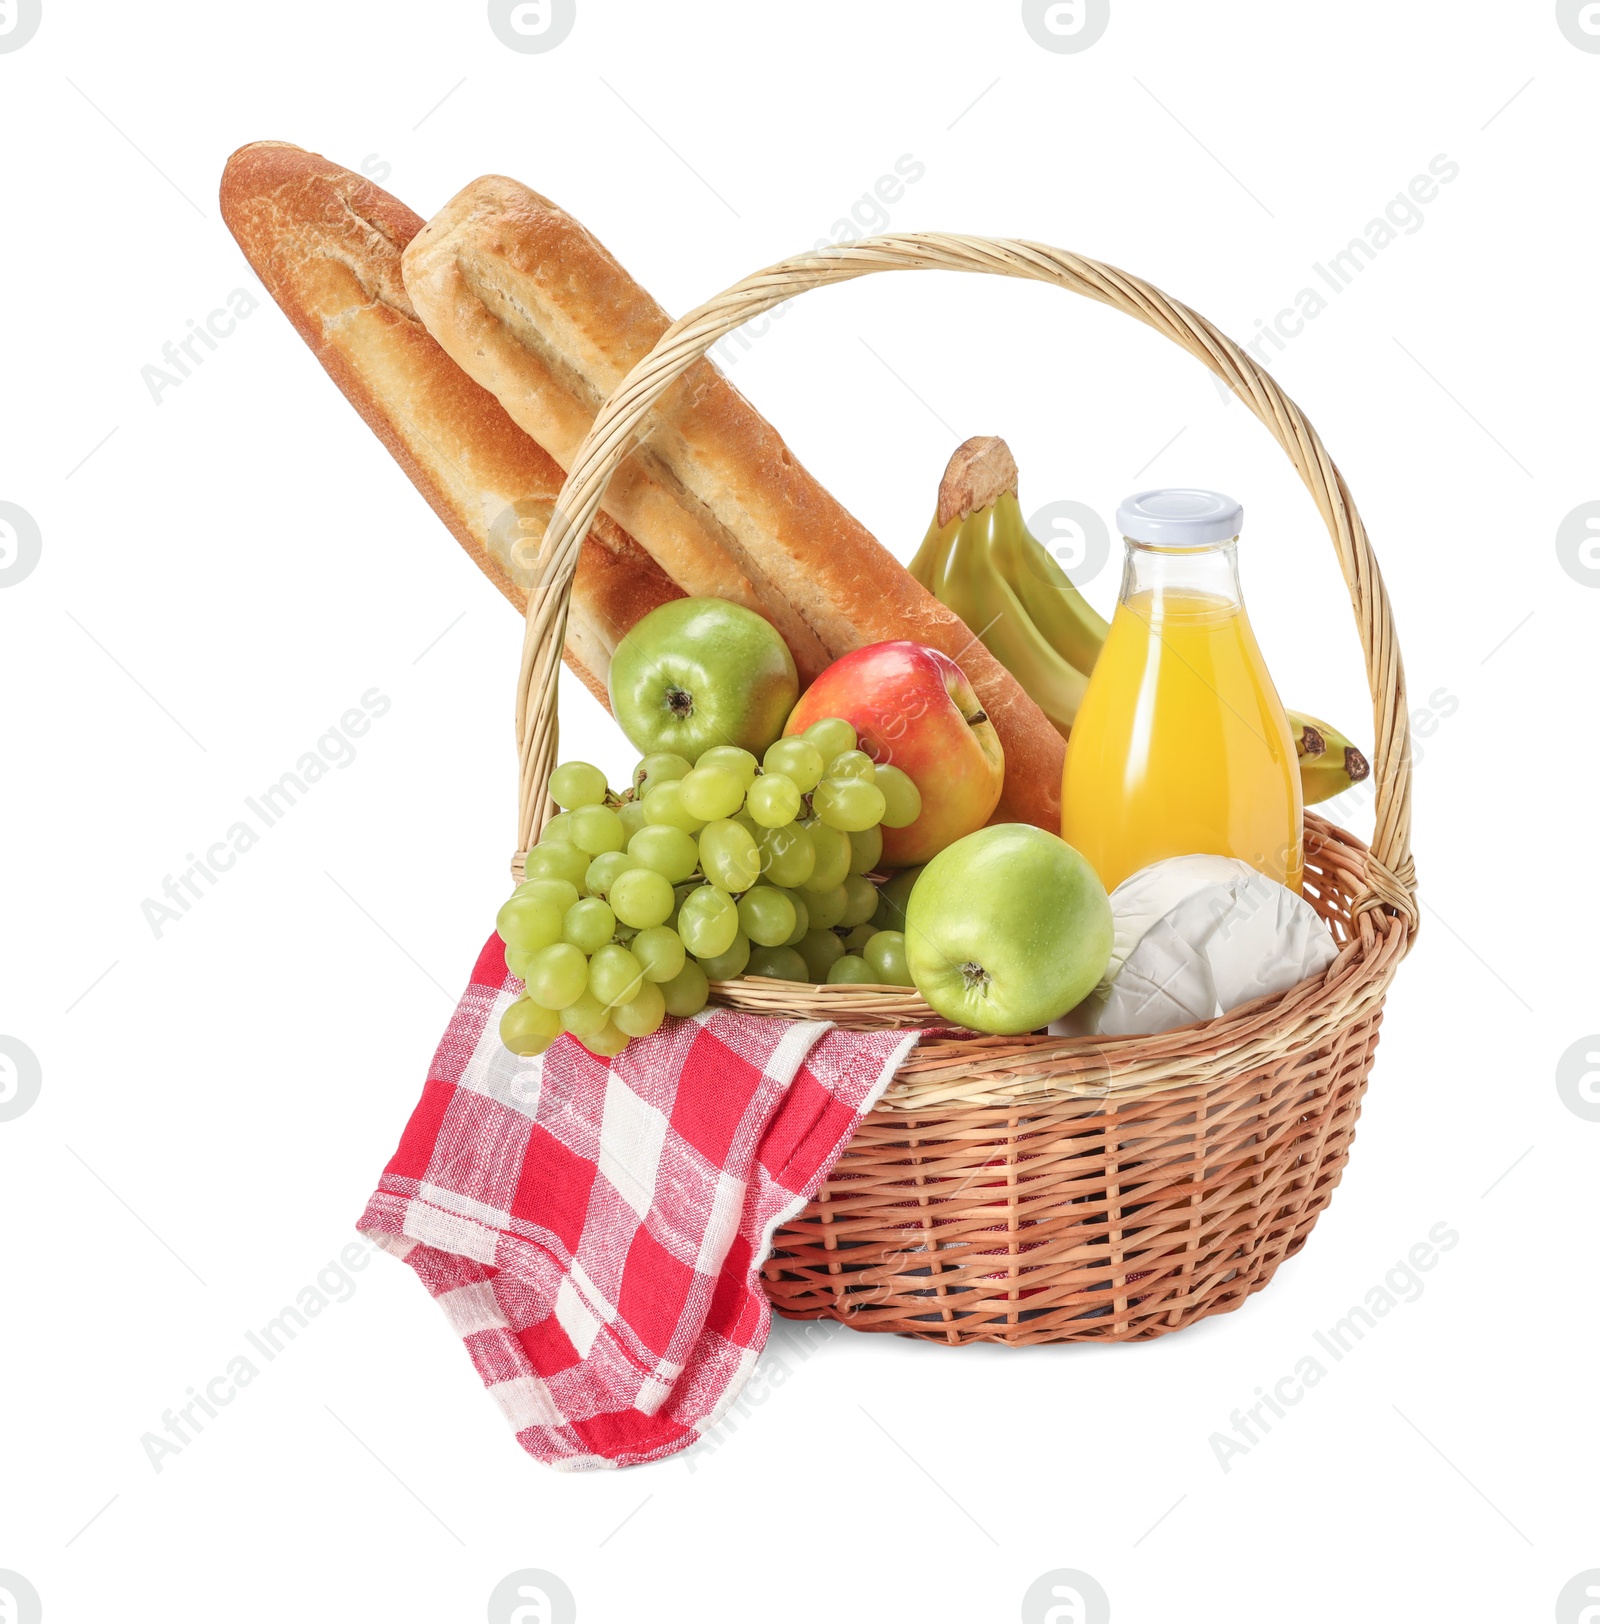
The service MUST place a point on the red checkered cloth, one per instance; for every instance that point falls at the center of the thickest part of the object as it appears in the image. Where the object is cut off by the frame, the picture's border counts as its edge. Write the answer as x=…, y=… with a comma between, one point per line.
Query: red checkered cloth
x=594, y=1230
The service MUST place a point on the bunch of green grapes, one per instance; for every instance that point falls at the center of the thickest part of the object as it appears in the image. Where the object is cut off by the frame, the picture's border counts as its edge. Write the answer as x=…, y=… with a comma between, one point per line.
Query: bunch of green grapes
x=699, y=873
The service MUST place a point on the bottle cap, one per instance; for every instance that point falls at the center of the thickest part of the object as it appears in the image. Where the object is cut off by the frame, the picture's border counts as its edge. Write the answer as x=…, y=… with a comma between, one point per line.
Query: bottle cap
x=1180, y=518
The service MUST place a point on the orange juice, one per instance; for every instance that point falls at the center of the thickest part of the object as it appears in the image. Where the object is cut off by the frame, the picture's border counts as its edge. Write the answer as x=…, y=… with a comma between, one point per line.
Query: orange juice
x=1181, y=744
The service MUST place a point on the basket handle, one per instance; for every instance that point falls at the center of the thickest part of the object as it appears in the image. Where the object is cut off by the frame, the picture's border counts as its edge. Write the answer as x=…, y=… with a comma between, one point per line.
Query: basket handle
x=1391, y=878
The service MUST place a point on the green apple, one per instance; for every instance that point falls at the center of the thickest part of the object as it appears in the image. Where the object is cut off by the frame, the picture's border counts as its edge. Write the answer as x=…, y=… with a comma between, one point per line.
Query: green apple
x=699, y=672
x=1007, y=929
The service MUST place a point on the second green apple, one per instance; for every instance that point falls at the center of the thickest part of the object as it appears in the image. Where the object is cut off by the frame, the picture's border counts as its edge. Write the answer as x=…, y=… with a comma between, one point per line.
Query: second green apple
x=1007, y=929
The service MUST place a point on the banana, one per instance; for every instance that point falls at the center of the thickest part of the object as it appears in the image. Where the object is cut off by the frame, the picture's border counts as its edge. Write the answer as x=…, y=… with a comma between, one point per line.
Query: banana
x=956, y=565
x=1060, y=611
x=1310, y=742
x=979, y=559
x=1329, y=762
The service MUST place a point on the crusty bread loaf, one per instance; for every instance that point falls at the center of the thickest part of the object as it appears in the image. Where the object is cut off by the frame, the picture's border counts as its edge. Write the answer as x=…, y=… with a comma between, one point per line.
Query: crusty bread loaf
x=537, y=311
x=327, y=243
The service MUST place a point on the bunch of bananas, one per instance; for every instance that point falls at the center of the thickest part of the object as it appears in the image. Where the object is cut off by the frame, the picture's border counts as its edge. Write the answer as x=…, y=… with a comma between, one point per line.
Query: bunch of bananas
x=980, y=560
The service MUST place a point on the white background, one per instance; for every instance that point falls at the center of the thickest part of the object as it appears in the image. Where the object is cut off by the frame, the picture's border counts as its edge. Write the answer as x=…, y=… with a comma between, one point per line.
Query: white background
x=233, y=567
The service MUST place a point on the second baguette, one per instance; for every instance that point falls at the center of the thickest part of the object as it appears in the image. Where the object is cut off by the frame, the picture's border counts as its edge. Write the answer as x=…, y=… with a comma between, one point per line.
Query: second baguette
x=528, y=303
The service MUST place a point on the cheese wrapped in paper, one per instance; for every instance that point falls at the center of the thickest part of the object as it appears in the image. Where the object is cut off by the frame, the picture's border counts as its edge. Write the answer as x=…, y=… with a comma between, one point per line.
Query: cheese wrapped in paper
x=1196, y=937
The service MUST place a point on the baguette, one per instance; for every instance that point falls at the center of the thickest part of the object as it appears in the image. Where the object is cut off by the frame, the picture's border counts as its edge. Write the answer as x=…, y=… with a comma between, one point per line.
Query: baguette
x=540, y=314
x=326, y=243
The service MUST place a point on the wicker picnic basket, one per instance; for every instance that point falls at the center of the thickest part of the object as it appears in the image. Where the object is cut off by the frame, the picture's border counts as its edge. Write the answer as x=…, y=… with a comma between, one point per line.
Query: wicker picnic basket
x=1041, y=1189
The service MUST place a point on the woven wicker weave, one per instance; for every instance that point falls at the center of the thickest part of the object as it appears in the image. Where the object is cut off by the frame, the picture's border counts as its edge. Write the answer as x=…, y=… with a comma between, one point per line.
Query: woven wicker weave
x=1038, y=1189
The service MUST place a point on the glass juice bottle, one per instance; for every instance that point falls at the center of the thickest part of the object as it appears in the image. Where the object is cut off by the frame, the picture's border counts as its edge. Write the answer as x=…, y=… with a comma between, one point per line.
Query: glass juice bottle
x=1181, y=744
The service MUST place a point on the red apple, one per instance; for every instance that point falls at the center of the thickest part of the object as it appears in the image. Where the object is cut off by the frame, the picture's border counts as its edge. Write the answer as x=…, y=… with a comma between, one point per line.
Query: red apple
x=913, y=707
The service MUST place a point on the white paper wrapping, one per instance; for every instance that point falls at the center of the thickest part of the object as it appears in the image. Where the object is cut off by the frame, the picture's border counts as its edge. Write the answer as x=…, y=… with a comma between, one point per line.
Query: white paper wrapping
x=1196, y=937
